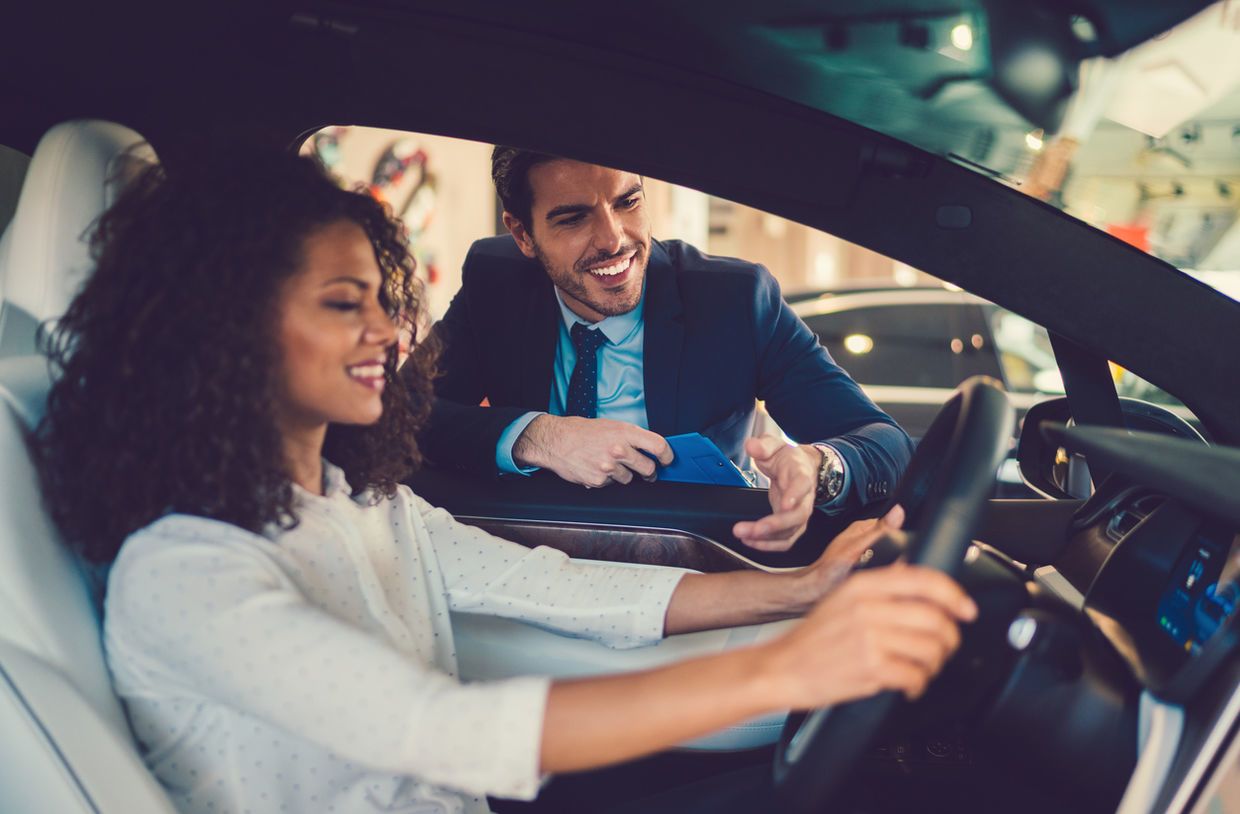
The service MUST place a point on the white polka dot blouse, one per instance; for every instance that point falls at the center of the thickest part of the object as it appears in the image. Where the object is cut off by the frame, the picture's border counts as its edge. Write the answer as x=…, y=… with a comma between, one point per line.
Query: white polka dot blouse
x=313, y=669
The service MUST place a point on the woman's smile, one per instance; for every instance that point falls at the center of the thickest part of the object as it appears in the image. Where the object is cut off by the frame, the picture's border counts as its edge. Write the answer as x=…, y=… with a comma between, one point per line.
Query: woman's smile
x=368, y=374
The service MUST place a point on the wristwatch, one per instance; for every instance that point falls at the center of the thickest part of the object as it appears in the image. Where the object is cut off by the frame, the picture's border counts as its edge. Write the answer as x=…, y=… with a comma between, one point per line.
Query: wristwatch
x=830, y=474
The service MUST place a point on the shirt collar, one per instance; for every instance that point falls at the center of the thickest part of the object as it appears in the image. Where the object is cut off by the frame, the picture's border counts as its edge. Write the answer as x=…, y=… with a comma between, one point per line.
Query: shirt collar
x=617, y=328
x=333, y=483
x=333, y=480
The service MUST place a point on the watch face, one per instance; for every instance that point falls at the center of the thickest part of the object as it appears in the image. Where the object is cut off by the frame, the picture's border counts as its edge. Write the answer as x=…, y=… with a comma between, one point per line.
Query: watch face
x=830, y=473
x=835, y=480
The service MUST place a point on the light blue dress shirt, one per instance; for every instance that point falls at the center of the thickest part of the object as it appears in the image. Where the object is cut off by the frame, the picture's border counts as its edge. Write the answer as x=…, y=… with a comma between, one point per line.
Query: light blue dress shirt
x=621, y=387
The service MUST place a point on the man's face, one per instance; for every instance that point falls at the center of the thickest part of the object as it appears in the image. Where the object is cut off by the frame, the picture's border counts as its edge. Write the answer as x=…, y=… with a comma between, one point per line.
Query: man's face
x=590, y=230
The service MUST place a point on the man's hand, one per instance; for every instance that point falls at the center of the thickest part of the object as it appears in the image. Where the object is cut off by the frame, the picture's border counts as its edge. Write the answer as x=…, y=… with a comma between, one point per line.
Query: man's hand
x=793, y=471
x=590, y=451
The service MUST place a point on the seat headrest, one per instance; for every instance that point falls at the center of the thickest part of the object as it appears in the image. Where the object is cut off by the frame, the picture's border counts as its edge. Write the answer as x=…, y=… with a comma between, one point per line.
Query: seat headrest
x=74, y=175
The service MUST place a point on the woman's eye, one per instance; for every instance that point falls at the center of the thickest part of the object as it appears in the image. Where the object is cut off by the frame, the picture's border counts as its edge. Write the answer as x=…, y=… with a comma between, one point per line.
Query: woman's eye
x=342, y=305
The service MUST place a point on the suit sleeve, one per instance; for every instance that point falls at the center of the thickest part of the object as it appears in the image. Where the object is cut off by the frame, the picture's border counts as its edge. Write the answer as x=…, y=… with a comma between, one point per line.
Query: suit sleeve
x=813, y=399
x=460, y=434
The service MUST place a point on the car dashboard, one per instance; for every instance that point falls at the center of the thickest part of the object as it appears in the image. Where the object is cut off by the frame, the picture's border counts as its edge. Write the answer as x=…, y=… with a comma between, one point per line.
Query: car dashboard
x=1155, y=553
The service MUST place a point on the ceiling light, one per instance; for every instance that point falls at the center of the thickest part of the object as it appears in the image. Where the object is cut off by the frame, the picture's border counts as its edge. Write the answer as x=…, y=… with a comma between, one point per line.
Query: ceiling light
x=905, y=276
x=1083, y=29
x=858, y=344
x=962, y=36
x=1033, y=140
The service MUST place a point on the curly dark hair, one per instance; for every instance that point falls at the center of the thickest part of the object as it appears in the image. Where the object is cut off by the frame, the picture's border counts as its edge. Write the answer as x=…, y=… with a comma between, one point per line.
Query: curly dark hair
x=166, y=360
x=510, y=170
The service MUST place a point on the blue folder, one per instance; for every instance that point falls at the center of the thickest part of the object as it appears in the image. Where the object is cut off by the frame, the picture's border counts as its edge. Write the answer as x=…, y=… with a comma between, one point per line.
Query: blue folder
x=698, y=460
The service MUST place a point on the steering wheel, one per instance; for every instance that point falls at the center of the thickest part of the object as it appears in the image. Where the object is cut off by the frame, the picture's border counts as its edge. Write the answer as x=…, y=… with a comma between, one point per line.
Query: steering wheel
x=943, y=491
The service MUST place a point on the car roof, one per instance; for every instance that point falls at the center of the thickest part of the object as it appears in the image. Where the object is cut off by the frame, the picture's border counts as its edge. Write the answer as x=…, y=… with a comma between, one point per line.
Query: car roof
x=624, y=95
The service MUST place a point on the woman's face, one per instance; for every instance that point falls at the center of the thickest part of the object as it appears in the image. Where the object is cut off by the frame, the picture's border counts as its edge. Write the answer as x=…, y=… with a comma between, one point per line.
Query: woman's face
x=333, y=333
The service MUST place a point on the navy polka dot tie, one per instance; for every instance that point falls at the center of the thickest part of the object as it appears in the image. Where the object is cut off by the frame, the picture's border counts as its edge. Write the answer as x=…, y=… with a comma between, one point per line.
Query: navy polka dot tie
x=583, y=386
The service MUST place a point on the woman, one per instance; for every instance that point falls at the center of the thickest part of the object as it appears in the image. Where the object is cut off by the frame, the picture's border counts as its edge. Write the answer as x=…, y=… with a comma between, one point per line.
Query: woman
x=229, y=428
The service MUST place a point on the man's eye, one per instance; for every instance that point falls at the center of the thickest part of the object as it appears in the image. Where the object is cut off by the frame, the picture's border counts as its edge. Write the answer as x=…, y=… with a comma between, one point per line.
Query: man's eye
x=629, y=203
x=343, y=305
x=572, y=220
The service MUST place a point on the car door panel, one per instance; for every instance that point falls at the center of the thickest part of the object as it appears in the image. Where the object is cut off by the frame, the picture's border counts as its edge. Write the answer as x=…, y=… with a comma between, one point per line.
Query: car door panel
x=676, y=524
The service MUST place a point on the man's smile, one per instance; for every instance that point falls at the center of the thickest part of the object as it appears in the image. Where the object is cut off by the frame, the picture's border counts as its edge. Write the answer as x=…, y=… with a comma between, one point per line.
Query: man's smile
x=614, y=273
x=614, y=268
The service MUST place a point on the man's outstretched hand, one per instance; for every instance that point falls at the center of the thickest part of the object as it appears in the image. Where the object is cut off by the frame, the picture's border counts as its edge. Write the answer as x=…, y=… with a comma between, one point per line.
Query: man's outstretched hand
x=793, y=471
x=591, y=451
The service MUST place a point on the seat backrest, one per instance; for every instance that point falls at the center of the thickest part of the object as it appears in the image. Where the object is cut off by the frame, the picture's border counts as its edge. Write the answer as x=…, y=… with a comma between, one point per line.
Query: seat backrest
x=58, y=754
x=66, y=745
x=46, y=606
x=74, y=174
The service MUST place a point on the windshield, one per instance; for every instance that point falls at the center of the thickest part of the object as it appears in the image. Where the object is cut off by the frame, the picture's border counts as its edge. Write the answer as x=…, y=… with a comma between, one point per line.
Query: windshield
x=1149, y=148
x=1149, y=152
x=1143, y=144
x=1140, y=140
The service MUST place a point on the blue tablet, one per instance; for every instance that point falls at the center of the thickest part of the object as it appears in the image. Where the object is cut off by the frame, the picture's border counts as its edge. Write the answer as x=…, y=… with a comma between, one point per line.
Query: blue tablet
x=698, y=460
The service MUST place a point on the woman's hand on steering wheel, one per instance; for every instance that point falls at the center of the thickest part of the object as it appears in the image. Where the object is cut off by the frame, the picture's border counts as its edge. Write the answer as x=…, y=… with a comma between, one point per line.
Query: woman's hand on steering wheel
x=844, y=552
x=888, y=629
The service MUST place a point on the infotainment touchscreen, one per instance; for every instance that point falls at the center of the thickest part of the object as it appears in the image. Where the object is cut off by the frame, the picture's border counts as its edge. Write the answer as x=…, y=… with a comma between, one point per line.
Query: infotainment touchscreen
x=1203, y=590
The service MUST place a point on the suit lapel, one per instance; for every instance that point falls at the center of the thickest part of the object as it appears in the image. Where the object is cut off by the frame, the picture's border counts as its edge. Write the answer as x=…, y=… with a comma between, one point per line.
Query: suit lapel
x=541, y=331
x=664, y=340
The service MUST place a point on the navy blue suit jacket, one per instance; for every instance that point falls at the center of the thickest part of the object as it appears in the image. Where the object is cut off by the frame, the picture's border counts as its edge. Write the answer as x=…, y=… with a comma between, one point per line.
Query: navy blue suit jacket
x=718, y=335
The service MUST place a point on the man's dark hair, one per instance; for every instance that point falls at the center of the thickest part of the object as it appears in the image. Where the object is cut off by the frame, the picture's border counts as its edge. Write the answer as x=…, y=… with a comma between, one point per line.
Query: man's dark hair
x=168, y=358
x=510, y=170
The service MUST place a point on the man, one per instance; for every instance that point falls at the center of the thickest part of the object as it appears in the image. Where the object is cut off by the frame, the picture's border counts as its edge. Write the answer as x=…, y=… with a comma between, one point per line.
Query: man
x=591, y=342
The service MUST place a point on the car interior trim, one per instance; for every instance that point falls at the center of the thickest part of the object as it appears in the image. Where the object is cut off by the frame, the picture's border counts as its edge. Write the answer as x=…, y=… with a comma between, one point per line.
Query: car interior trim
x=1223, y=724
x=1159, y=725
x=1200, y=476
x=647, y=545
x=1207, y=801
x=1048, y=577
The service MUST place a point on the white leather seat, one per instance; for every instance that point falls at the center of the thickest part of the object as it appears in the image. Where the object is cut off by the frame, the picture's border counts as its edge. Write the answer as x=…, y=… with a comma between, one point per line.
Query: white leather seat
x=73, y=176
x=66, y=745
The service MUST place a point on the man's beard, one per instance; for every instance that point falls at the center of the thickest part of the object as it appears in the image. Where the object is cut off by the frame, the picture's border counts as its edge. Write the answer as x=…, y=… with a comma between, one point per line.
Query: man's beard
x=573, y=282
